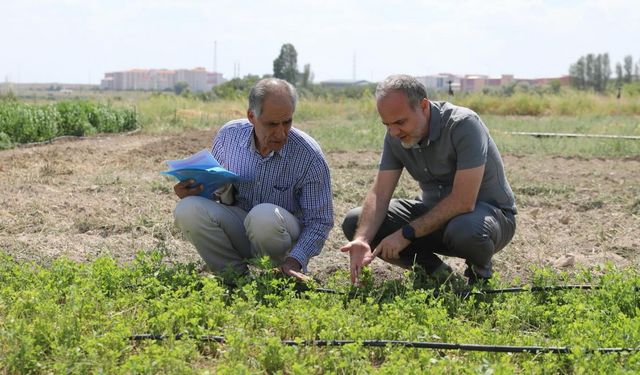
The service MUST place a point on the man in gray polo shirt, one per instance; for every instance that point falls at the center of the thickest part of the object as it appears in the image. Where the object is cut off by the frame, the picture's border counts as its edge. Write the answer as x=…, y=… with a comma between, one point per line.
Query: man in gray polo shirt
x=467, y=208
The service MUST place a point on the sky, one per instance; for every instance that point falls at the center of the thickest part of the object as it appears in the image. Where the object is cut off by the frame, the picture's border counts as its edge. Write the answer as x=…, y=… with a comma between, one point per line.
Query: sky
x=77, y=41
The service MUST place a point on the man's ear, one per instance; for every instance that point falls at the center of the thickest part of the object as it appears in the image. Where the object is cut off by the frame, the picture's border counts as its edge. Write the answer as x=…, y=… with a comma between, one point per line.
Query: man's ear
x=424, y=105
x=251, y=116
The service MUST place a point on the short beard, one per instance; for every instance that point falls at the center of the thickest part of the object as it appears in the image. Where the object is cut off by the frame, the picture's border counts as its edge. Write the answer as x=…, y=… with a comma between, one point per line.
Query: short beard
x=407, y=146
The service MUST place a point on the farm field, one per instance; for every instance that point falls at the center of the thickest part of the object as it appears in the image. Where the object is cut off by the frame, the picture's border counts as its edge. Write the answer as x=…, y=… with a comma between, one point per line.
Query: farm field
x=102, y=198
x=578, y=200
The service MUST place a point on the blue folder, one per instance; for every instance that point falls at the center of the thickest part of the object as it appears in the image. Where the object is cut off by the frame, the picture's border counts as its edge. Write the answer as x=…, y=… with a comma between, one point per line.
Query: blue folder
x=204, y=169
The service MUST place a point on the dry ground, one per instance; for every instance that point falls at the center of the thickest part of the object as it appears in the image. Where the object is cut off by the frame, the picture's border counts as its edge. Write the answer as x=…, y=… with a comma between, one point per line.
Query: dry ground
x=89, y=197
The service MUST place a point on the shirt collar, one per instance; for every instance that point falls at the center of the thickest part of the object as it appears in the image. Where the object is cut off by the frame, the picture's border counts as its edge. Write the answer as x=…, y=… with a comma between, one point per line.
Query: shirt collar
x=434, y=125
x=434, y=122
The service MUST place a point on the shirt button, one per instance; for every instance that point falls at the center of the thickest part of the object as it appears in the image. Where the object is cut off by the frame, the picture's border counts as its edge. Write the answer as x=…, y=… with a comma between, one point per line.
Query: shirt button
x=426, y=169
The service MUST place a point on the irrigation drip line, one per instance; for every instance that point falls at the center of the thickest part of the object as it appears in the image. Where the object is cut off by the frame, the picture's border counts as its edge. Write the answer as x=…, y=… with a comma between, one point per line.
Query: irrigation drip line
x=467, y=293
x=520, y=289
x=406, y=344
x=424, y=344
x=575, y=135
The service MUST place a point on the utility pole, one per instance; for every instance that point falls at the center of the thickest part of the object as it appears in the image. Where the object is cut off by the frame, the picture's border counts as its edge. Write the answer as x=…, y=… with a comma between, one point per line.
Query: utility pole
x=215, y=62
x=354, y=67
x=236, y=69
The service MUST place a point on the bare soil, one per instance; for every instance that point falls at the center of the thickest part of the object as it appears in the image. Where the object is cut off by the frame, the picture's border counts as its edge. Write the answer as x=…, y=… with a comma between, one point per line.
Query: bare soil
x=104, y=196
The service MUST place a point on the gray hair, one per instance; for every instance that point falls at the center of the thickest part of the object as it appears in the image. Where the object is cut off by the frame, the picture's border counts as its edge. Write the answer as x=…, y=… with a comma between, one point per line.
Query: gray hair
x=407, y=84
x=269, y=86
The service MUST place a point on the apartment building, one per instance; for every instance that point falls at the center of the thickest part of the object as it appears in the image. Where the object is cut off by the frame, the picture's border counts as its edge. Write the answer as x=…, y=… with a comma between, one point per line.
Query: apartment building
x=477, y=82
x=441, y=82
x=198, y=79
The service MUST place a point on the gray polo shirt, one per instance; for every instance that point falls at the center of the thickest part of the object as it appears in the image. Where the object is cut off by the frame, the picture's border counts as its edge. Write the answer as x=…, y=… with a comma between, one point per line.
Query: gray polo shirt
x=457, y=139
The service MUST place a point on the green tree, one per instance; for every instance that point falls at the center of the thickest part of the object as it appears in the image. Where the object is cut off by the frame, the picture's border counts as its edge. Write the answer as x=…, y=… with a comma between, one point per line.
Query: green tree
x=180, y=87
x=285, y=66
x=591, y=72
x=628, y=67
x=236, y=88
x=619, y=74
x=597, y=73
x=555, y=86
x=577, y=73
x=306, y=76
x=606, y=71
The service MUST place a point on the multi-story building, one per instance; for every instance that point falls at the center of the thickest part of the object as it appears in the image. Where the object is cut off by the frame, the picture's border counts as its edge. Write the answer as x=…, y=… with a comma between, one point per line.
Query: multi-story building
x=198, y=79
x=441, y=82
x=445, y=82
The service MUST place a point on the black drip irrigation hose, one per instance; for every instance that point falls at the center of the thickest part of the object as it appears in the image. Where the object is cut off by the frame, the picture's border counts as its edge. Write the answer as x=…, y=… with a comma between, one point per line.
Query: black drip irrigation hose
x=424, y=344
x=467, y=293
x=406, y=344
x=574, y=135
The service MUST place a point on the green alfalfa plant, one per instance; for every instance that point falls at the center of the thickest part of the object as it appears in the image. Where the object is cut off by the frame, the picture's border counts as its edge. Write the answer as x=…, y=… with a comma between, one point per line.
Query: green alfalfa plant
x=74, y=118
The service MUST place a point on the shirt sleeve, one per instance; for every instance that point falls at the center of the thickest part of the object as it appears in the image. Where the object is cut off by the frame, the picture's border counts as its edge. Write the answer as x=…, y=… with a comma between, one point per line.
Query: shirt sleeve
x=317, y=212
x=471, y=141
x=217, y=147
x=388, y=160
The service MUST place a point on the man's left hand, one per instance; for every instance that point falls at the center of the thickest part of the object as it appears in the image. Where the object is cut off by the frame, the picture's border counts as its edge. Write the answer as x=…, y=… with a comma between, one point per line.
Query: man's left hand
x=292, y=268
x=389, y=248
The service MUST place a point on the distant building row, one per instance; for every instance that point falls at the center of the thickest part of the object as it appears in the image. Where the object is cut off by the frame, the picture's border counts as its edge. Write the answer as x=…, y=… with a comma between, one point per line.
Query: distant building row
x=468, y=83
x=198, y=79
x=475, y=83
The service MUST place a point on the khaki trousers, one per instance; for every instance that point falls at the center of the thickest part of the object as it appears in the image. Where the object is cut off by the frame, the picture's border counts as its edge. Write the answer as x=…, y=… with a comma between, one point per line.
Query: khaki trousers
x=227, y=236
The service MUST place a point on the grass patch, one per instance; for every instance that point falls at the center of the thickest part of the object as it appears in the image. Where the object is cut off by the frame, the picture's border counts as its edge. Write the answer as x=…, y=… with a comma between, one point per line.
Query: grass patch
x=342, y=123
x=501, y=126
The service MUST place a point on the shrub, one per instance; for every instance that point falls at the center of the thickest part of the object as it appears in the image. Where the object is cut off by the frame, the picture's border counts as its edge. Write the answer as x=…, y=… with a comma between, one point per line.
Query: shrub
x=23, y=123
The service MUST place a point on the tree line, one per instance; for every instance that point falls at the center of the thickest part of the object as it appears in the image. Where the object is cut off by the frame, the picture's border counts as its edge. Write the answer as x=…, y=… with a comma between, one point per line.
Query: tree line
x=285, y=66
x=589, y=72
x=593, y=72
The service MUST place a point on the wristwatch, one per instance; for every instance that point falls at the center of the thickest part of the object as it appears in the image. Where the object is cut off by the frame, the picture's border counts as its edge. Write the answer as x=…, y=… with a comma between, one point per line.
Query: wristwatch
x=408, y=232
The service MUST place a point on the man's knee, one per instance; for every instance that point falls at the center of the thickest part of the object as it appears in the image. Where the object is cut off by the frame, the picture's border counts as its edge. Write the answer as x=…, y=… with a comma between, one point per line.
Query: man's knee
x=350, y=223
x=190, y=212
x=263, y=220
x=269, y=230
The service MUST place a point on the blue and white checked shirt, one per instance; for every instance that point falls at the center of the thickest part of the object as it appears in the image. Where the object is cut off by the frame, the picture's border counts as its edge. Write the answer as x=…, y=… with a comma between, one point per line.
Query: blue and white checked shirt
x=295, y=178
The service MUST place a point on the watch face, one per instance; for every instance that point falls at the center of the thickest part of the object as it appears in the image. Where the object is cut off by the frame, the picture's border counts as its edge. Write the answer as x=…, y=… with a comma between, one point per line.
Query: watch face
x=408, y=232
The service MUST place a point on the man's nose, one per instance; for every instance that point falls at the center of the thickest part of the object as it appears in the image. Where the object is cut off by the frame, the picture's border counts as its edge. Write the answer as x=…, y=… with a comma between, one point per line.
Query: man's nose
x=394, y=131
x=281, y=131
